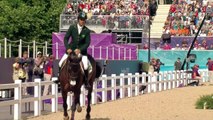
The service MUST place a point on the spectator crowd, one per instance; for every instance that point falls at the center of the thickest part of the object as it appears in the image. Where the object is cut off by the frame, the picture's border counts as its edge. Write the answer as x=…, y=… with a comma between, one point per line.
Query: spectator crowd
x=27, y=69
x=185, y=17
x=113, y=14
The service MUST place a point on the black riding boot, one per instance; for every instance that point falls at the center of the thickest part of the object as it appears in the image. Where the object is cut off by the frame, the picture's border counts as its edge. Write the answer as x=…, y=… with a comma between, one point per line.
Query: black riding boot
x=86, y=82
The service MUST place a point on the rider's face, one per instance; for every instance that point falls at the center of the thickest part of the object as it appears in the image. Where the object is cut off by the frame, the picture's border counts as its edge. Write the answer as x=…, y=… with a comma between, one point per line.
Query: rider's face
x=81, y=22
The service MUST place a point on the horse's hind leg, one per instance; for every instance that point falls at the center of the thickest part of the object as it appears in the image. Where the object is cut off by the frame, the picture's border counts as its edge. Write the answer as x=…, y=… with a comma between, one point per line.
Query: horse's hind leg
x=64, y=95
x=88, y=104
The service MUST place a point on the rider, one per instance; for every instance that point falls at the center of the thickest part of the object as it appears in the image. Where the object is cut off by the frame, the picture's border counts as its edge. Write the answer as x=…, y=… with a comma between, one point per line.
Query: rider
x=80, y=35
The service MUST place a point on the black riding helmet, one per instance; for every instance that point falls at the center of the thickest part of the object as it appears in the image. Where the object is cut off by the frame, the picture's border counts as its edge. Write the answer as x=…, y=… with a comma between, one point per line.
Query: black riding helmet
x=82, y=16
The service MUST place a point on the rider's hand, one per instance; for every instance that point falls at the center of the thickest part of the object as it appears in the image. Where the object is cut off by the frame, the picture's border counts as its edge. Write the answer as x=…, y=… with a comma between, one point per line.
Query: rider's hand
x=77, y=51
x=69, y=51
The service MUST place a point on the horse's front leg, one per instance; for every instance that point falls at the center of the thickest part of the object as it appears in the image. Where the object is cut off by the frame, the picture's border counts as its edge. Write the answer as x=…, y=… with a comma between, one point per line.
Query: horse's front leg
x=88, y=104
x=75, y=104
x=64, y=95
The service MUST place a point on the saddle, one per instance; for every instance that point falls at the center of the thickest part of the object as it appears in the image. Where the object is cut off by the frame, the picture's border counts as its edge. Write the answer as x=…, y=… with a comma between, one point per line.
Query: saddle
x=82, y=66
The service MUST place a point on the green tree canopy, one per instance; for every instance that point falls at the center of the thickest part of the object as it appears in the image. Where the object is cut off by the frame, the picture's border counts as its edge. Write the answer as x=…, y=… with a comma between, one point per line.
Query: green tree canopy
x=30, y=19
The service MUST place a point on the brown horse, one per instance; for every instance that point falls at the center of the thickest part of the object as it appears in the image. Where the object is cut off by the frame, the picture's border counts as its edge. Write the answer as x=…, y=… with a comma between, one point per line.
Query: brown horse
x=71, y=78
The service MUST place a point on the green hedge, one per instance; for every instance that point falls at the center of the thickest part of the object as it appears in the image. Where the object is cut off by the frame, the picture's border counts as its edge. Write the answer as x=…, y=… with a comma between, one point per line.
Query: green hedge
x=206, y=100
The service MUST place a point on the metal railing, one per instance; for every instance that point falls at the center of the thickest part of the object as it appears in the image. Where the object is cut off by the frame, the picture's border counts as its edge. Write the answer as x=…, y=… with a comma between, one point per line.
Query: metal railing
x=106, y=22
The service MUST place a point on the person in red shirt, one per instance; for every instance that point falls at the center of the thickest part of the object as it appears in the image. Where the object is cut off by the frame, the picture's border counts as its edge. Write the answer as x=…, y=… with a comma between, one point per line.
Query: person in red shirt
x=48, y=67
x=195, y=73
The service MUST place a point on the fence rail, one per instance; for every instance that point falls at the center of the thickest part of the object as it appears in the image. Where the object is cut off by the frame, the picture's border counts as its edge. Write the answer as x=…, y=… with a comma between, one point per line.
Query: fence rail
x=107, y=88
x=106, y=22
x=33, y=47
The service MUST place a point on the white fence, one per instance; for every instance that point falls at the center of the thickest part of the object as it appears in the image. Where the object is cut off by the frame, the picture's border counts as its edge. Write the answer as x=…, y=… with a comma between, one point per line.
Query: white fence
x=111, y=53
x=7, y=46
x=126, y=85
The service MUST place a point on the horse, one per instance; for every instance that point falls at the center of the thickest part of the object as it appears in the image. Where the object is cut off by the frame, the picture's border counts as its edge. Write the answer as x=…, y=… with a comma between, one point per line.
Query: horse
x=71, y=78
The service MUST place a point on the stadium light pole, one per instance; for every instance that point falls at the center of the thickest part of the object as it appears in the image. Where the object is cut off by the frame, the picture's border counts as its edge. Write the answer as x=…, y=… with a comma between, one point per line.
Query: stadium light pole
x=189, y=51
x=149, y=52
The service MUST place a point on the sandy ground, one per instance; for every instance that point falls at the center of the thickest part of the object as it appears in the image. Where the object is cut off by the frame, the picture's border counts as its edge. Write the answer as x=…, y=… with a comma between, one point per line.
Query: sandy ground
x=176, y=104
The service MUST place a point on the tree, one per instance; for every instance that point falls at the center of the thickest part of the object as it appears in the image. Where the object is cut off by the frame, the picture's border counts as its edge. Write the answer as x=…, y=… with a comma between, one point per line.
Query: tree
x=30, y=19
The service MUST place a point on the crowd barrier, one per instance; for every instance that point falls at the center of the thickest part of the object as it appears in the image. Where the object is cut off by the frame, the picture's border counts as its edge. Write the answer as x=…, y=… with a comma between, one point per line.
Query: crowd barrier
x=112, y=88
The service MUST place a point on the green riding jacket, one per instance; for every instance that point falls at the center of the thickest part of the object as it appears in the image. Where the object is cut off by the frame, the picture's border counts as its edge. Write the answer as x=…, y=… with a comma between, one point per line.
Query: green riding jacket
x=79, y=41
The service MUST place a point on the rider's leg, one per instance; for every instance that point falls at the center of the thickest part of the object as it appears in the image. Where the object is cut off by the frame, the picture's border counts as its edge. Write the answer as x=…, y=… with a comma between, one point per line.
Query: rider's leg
x=86, y=73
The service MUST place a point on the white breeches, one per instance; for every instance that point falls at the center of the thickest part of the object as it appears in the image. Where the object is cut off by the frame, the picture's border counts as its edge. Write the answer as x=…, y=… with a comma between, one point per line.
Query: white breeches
x=64, y=57
x=84, y=60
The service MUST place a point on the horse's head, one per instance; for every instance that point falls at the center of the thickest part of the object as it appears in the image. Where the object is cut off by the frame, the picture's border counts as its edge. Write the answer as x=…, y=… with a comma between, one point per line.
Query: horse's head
x=74, y=67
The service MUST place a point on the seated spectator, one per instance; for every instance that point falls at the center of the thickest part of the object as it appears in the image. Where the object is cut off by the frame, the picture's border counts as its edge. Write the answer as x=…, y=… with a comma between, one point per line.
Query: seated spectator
x=196, y=45
x=184, y=44
x=177, y=47
x=195, y=73
x=204, y=44
x=211, y=47
x=145, y=47
x=166, y=46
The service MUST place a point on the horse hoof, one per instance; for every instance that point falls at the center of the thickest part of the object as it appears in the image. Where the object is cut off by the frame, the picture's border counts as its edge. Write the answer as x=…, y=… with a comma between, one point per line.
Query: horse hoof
x=66, y=117
x=79, y=108
x=87, y=117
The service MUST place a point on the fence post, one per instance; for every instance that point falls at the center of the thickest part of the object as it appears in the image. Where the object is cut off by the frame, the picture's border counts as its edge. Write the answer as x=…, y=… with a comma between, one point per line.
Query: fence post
x=173, y=78
x=55, y=93
x=93, y=51
x=165, y=76
x=107, y=53
x=177, y=77
x=113, y=86
x=137, y=84
x=46, y=48
x=149, y=82
x=124, y=53
x=37, y=94
x=17, y=96
x=113, y=53
x=122, y=85
x=56, y=49
x=94, y=93
x=119, y=53
x=160, y=79
x=5, y=47
x=185, y=78
x=10, y=51
x=100, y=49
x=169, y=79
x=129, y=84
x=143, y=80
x=104, y=86
x=34, y=49
x=130, y=54
x=154, y=80
x=20, y=48
x=28, y=50
x=82, y=96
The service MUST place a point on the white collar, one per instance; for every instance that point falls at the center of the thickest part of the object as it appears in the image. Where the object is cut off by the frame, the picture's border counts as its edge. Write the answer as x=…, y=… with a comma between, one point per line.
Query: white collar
x=79, y=26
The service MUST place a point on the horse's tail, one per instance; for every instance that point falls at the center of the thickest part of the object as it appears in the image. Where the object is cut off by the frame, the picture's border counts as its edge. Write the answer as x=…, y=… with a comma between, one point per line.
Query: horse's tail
x=98, y=71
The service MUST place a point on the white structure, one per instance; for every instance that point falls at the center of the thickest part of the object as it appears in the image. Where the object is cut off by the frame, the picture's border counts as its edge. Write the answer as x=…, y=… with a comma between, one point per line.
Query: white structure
x=127, y=85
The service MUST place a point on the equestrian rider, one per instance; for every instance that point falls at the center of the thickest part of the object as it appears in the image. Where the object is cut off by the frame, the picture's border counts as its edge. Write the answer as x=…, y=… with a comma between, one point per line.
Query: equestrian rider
x=80, y=35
